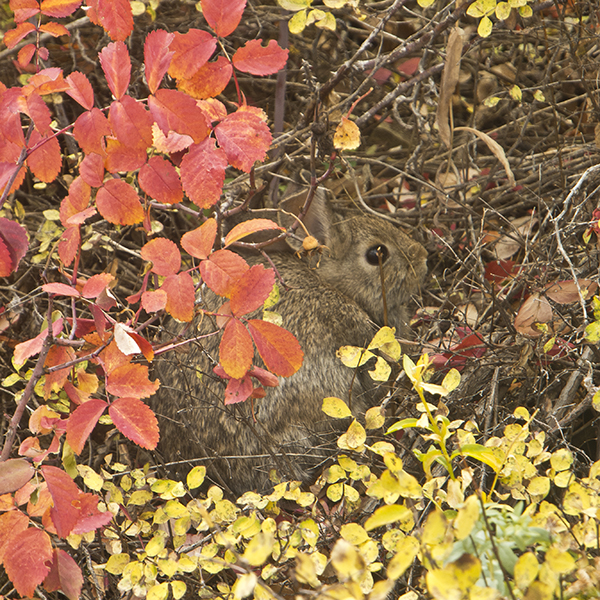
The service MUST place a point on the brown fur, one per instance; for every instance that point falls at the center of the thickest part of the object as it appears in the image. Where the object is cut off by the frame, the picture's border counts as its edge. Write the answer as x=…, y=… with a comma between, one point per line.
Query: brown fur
x=337, y=303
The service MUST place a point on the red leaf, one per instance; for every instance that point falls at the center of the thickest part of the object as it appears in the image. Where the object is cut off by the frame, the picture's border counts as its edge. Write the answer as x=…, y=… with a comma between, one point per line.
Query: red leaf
x=160, y=180
x=14, y=474
x=180, y=296
x=118, y=203
x=536, y=309
x=247, y=227
x=65, y=575
x=131, y=380
x=245, y=139
x=82, y=422
x=63, y=491
x=89, y=129
x=222, y=269
x=47, y=81
x=209, y=81
x=33, y=346
x=46, y=160
x=91, y=169
x=24, y=9
x=213, y=109
x=164, y=256
x=192, y=50
x=54, y=382
x=238, y=390
x=75, y=202
x=176, y=111
x=25, y=560
x=203, y=173
x=251, y=290
x=39, y=112
x=116, y=18
x=14, y=36
x=90, y=517
x=12, y=523
x=131, y=122
x=154, y=301
x=115, y=62
x=135, y=421
x=69, y=245
x=199, y=242
x=223, y=15
x=278, y=348
x=96, y=284
x=236, y=350
x=264, y=377
x=14, y=238
x=60, y=289
x=157, y=57
x=253, y=58
x=59, y=8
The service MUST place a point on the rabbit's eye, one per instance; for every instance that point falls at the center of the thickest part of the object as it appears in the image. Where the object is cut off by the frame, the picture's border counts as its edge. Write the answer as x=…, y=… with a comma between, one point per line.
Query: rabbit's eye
x=374, y=252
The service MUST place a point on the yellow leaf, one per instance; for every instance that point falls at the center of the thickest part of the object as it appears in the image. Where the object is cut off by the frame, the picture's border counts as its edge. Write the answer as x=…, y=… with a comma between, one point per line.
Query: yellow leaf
x=516, y=93
x=305, y=570
x=466, y=570
x=91, y=478
x=382, y=370
x=335, y=492
x=353, y=356
x=434, y=529
x=179, y=588
x=356, y=435
x=294, y=5
x=336, y=408
x=155, y=546
x=297, y=23
x=259, y=549
x=521, y=413
x=526, y=11
x=167, y=566
x=174, y=509
x=385, y=515
x=452, y=380
x=386, y=341
x=561, y=460
x=403, y=558
x=503, y=11
x=442, y=585
x=354, y=533
x=327, y=21
x=374, y=418
x=158, y=592
x=409, y=486
x=539, y=486
x=425, y=3
x=485, y=27
x=244, y=586
x=116, y=563
x=466, y=518
x=347, y=561
x=347, y=134
x=562, y=563
x=195, y=478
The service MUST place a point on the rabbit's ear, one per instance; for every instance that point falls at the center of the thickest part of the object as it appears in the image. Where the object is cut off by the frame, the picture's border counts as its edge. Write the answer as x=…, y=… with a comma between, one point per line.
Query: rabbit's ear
x=318, y=220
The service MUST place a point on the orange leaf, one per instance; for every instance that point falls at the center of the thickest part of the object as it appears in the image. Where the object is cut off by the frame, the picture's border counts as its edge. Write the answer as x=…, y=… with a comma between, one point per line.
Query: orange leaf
x=255, y=59
x=221, y=270
x=159, y=179
x=135, y=421
x=209, y=81
x=164, y=256
x=24, y=9
x=82, y=422
x=180, y=296
x=116, y=18
x=200, y=241
x=247, y=227
x=278, y=348
x=131, y=380
x=46, y=160
x=65, y=575
x=59, y=8
x=203, y=173
x=115, y=62
x=31, y=347
x=154, y=301
x=14, y=36
x=12, y=523
x=191, y=51
x=223, y=15
x=157, y=57
x=123, y=157
x=96, y=284
x=25, y=560
x=245, y=139
x=76, y=201
x=251, y=290
x=91, y=169
x=118, y=203
x=55, y=29
x=236, y=350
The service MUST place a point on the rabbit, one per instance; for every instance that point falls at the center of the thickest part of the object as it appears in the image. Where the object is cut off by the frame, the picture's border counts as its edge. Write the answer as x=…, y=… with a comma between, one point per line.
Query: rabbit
x=327, y=301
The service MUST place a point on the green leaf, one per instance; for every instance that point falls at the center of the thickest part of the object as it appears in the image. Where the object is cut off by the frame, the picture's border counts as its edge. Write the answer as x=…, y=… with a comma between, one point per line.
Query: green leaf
x=482, y=454
x=404, y=424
